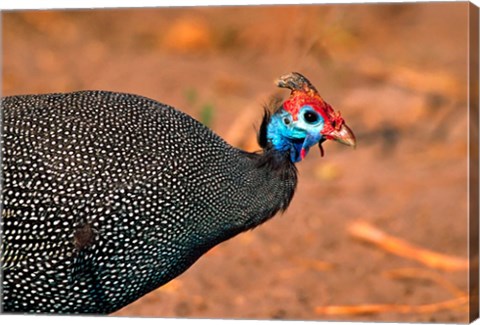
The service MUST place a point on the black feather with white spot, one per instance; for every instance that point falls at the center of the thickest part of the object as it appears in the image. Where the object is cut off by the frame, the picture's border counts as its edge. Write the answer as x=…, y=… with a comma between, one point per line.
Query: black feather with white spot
x=107, y=196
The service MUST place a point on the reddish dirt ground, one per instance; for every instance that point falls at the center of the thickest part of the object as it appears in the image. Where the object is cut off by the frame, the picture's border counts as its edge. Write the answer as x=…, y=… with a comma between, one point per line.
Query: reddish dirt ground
x=398, y=74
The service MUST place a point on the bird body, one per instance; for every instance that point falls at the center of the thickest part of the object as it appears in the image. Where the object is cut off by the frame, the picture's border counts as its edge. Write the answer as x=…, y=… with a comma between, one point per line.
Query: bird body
x=108, y=196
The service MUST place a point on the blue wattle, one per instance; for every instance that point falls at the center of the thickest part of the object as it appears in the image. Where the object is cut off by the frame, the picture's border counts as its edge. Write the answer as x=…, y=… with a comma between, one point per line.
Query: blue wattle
x=310, y=140
x=295, y=152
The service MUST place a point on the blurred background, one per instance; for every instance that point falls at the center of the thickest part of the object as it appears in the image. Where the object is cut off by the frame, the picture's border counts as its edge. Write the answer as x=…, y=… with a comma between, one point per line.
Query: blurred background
x=373, y=234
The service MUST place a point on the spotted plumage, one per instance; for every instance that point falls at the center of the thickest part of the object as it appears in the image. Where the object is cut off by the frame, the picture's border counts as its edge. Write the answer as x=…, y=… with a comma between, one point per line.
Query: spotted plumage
x=108, y=196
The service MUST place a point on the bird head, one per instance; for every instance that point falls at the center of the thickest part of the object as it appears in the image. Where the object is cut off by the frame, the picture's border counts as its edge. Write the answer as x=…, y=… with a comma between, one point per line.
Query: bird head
x=304, y=120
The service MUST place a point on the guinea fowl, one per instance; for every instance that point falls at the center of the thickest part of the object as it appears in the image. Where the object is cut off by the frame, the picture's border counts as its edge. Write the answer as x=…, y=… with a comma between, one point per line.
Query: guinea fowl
x=107, y=196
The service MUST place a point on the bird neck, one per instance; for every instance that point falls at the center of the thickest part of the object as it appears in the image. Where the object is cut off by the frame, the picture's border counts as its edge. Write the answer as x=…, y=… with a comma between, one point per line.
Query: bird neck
x=272, y=180
x=276, y=166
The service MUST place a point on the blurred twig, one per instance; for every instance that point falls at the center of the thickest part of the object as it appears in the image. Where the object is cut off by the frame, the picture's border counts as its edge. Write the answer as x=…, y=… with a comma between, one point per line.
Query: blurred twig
x=364, y=231
x=241, y=132
x=238, y=131
x=392, y=308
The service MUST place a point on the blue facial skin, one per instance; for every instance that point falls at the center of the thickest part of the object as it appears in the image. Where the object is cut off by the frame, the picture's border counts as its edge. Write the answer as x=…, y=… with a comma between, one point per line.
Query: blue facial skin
x=286, y=134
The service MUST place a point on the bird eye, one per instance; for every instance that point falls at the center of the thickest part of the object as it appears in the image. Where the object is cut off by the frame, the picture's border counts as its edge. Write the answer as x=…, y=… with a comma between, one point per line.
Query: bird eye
x=286, y=120
x=310, y=117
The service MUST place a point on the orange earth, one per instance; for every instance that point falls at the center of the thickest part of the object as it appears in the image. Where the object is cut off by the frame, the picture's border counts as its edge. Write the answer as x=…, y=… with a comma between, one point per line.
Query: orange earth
x=398, y=74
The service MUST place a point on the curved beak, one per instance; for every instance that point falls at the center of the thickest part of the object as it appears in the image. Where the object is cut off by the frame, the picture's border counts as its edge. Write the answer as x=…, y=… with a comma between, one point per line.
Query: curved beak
x=343, y=135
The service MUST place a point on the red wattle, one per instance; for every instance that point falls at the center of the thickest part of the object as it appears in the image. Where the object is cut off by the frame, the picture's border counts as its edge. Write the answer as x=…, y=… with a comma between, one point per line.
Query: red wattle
x=302, y=153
